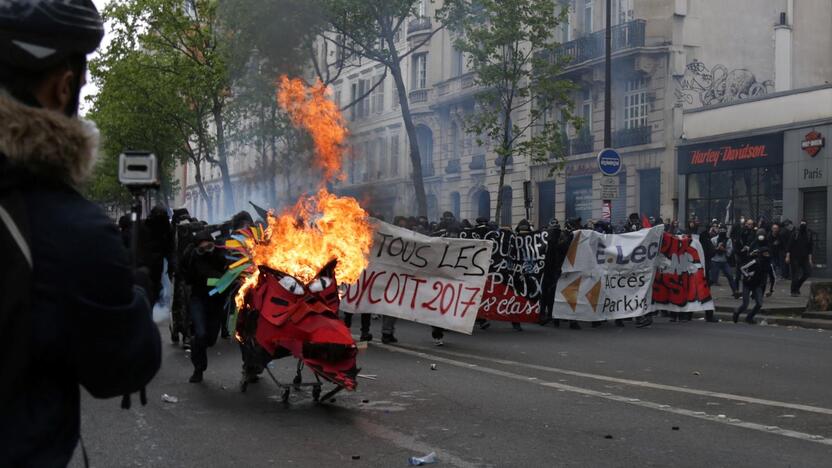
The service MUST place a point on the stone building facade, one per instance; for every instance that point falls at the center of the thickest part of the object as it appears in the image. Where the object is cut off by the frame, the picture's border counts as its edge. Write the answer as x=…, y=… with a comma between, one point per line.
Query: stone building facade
x=669, y=57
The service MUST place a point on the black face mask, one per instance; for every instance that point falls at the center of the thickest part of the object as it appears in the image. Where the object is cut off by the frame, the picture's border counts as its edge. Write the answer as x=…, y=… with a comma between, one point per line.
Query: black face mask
x=802, y=228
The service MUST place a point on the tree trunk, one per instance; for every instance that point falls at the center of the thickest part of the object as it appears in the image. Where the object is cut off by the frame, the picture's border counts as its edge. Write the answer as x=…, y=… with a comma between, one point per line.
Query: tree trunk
x=222, y=157
x=506, y=151
x=415, y=157
x=201, y=186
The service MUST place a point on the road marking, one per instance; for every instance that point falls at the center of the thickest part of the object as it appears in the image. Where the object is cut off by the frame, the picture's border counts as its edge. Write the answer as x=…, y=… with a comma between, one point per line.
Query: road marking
x=721, y=419
x=638, y=383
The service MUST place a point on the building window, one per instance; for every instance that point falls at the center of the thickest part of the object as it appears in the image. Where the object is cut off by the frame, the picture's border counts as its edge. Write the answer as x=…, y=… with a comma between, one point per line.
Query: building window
x=338, y=98
x=456, y=142
x=546, y=202
x=457, y=61
x=455, y=204
x=649, y=192
x=420, y=71
x=364, y=105
x=423, y=8
x=394, y=155
x=505, y=208
x=586, y=108
x=353, y=96
x=424, y=137
x=635, y=103
x=381, y=145
x=378, y=95
x=623, y=11
x=587, y=19
x=483, y=201
x=433, y=207
x=579, y=198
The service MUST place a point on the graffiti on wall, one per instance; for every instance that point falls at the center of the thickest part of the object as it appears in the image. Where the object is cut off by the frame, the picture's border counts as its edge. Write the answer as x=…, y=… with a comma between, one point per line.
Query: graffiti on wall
x=717, y=85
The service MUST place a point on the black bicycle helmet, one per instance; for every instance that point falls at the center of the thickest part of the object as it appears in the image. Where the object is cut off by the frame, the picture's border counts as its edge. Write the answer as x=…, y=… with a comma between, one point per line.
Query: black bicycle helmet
x=39, y=34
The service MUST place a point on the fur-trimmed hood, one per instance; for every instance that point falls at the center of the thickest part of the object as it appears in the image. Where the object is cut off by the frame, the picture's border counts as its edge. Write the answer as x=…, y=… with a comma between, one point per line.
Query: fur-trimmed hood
x=46, y=142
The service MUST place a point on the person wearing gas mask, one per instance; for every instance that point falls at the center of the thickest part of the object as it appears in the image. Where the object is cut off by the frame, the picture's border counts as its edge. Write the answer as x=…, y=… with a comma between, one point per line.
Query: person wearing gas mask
x=203, y=262
x=799, y=256
x=722, y=251
x=754, y=272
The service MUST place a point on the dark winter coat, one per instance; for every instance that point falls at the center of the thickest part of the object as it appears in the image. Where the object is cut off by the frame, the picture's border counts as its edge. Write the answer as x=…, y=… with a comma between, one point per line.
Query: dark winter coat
x=89, y=325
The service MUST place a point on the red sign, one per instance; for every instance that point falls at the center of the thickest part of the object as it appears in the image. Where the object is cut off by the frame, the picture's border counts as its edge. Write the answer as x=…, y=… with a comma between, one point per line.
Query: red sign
x=740, y=153
x=813, y=143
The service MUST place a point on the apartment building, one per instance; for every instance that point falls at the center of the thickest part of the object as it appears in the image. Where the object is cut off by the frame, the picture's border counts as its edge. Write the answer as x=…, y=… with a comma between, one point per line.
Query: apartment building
x=670, y=58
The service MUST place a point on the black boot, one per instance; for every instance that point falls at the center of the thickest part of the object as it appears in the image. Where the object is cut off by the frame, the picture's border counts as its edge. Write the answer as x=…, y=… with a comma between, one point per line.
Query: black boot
x=574, y=325
x=196, y=377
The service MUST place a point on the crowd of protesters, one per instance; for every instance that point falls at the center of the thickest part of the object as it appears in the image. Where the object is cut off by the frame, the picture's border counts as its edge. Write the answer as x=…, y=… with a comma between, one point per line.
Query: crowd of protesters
x=751, y=256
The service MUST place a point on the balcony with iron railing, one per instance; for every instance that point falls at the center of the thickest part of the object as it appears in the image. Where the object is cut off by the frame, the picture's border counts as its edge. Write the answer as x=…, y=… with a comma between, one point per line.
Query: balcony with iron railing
x=632, y=136
x=418, y=96
x=583, y=49
x=418, y=27
x=584, y=142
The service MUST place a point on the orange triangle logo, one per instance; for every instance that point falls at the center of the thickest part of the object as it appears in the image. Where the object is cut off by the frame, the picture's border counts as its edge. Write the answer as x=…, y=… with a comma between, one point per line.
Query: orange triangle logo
x=573, y=248
x=570, y=293
x=593, y=295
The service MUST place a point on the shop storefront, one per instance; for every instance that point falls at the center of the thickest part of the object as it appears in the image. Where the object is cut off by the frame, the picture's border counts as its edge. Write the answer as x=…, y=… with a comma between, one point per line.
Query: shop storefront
x=808, y=187
x=732, y=179
x=579, y=199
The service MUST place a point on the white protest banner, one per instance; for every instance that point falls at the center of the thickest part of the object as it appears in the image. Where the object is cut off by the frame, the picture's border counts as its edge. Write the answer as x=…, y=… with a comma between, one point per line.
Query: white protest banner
x=608, y=276
x=432, y=280
x=681, y=284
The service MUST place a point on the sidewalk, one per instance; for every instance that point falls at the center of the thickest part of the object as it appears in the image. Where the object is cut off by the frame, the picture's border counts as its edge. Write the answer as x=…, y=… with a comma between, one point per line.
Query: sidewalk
x=779, y=309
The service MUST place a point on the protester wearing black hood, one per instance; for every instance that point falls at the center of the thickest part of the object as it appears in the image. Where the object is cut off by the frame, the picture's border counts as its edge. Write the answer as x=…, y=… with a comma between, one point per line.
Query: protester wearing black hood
x=204, y=261
x=754, y=272
x=557, y=244
x=799, y=256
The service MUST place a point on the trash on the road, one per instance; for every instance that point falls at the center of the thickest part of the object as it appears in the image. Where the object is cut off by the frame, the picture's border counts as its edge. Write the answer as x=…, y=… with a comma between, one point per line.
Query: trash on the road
x=608, y=436
x=763, y=323
x=419, y=461
x=721, y=416
x=675, y=428
x=787, y=416
x=169, y=398
x=433, y=367
x=356, y=457
x=696, y=372
x=367, y=376
x=361, y=345
x=365, y=401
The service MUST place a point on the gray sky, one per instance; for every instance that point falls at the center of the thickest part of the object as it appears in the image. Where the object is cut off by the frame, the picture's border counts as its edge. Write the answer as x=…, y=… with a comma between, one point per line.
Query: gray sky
x=90, y=89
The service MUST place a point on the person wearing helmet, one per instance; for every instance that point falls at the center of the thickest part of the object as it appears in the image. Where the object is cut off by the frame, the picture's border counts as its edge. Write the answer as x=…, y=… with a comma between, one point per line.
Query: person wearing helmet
x=87, y=322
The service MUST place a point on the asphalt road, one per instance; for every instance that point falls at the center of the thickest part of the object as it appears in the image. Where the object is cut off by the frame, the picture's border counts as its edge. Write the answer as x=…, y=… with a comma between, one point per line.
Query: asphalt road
x=676, y=394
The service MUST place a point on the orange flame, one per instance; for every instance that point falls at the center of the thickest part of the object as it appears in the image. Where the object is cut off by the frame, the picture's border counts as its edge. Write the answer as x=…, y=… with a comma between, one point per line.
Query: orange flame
x=337, y=229
x=311, y=108
x=320, y=228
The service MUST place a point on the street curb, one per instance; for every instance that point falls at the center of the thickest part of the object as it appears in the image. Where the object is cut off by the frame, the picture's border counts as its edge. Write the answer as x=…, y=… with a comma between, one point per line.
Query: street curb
x=778, y=311
x=782, y=321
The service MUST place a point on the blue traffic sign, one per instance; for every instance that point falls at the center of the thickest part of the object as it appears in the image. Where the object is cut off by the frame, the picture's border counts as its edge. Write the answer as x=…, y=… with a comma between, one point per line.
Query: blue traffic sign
x=609, y=162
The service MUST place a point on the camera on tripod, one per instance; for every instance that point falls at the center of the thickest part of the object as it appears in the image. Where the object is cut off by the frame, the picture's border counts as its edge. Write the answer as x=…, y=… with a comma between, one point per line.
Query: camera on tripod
x=138, y=170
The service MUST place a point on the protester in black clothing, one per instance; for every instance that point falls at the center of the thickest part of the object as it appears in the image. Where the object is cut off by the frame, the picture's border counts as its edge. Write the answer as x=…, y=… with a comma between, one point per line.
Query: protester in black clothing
x=79, y=317
x=204, y=261
x=754, y=271
x=777, y=246
x=799, y=256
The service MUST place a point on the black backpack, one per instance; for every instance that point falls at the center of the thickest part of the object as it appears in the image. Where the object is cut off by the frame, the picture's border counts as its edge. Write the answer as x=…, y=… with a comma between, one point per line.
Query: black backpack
x=15, y=284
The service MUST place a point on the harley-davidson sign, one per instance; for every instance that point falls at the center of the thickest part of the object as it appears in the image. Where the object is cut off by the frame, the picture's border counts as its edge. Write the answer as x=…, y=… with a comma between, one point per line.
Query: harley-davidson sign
x=764, y=150
x=813, y=143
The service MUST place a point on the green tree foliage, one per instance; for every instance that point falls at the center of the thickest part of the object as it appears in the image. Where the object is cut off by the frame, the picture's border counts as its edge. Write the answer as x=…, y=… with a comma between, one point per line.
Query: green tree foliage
x=510, y=45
